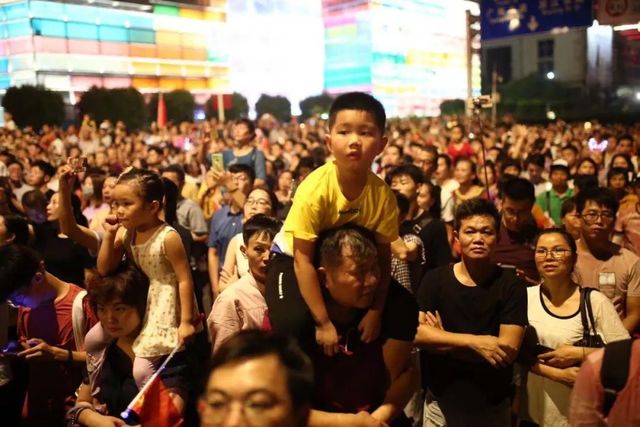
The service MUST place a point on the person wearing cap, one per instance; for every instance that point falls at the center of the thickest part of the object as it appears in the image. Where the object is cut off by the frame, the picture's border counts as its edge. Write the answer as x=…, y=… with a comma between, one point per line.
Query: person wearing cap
x=551, y=201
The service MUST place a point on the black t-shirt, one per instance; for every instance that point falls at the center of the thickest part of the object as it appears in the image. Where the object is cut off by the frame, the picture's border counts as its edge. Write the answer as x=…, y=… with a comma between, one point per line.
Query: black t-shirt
x=478, y=310
x=63, y=257
x=358, y=381
x=436, y=245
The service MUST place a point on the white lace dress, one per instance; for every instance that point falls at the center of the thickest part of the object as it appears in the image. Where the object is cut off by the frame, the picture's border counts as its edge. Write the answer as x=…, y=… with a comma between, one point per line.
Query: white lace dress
x=159, y=334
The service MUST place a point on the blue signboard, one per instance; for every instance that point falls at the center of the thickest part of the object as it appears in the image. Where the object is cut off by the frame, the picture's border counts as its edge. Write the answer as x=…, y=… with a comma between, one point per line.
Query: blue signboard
x=504, y=18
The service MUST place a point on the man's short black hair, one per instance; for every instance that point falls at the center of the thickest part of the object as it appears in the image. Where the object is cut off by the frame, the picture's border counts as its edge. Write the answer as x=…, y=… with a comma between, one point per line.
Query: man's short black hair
x=178, y=170
x=18, y=265
x=242, y=168
x=601, y=196
x=476, y=207
x=247, y=122
x=626, y=136
x=259, y=224
x=331, y=242
x=157, y=149
x=253, y=344
x=412, y=171
x=582, y=182
x=446, y=158
x=18, y=227
x=45, y=167
x=568, y=206
x=362, y=102
x=570, y=147
x=509, y=162
x=519, y=189
x=536, y=159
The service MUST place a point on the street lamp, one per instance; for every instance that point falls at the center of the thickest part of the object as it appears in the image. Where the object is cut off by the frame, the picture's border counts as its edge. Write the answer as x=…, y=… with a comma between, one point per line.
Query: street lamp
x=551, y=75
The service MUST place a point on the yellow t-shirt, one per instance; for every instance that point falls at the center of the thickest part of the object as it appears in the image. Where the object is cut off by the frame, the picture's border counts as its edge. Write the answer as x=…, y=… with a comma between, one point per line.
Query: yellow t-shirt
x=319, y=205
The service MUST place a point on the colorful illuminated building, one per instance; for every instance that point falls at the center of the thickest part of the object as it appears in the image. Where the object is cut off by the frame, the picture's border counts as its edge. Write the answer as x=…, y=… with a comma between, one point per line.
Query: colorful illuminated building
x=73, y=45
x=410, y=54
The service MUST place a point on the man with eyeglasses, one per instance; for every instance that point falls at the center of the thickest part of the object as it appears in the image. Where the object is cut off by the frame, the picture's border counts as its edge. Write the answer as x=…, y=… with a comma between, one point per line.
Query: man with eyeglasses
x=257, y=379
x=602, y=264
x=47, y=332
x=518, y=229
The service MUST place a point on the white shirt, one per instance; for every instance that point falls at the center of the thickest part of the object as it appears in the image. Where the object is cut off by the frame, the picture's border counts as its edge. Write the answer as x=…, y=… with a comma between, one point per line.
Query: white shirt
x=547, y=402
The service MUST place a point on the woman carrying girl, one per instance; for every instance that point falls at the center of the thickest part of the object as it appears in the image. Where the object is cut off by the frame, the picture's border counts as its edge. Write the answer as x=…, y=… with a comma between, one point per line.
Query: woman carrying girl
x=135, y=229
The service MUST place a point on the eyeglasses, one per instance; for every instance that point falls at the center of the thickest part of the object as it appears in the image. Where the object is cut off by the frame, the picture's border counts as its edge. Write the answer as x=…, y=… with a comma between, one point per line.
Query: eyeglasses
x=254, y=408
x=592, y=216
x=556, y=253
x=260, y=202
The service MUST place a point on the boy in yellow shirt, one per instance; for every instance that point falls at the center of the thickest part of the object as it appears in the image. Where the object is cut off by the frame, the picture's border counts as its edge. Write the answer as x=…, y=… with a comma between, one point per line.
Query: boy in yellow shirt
x=344, y=190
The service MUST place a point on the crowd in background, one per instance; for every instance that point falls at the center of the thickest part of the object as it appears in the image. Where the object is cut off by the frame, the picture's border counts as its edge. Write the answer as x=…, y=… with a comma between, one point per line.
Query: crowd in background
x=214, y=196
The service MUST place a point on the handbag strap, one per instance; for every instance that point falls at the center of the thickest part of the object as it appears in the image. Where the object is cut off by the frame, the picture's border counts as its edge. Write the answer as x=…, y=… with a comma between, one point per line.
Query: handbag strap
x=583, y=313
x=587, y=297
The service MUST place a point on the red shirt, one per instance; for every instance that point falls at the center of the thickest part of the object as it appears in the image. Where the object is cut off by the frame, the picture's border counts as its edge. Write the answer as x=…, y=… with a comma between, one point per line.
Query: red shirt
x=51, y=382
x=588, y=395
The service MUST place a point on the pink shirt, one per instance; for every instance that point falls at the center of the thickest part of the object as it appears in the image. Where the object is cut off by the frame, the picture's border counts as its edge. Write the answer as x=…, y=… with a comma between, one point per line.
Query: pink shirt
x=618, y=277
x=587, y=397
x=628, y=224
x=240, y=306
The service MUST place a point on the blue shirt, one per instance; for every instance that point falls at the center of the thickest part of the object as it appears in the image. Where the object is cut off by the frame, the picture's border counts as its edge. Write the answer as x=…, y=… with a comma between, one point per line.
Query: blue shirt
x=224, y=225
x=255, y=158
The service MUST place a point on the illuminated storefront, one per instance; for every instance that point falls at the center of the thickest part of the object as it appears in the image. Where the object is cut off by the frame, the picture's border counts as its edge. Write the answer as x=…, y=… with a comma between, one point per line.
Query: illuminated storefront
x=411, y=54
x=71, y=46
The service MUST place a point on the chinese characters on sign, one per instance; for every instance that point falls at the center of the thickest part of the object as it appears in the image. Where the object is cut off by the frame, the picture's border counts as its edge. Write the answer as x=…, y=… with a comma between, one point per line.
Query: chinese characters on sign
x=504, y=18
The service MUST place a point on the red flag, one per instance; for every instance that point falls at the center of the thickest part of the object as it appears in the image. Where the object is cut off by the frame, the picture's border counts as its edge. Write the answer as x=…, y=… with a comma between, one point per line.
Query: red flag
x=162, y=112
x=155, y=407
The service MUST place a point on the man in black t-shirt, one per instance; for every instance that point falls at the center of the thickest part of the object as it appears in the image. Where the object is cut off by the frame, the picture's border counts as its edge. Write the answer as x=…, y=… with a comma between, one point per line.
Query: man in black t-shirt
x=472, y=318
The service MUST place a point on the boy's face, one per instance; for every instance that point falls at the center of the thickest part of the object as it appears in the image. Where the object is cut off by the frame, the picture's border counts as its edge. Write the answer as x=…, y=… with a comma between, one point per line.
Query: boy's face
x=257, y=252
x=355, y=140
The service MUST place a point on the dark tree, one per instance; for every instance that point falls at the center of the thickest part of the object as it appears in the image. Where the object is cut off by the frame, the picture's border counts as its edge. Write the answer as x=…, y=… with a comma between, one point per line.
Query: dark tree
x=314, y=105
x=278, y=106
x=180, y=105
x=126, y=104
x=34, y=106
x=239, y=107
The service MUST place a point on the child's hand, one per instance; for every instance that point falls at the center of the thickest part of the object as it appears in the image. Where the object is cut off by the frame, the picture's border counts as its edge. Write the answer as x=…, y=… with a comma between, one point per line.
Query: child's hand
x=369, y=326
x=111, y=224
x=185, y=331
x=327, y=338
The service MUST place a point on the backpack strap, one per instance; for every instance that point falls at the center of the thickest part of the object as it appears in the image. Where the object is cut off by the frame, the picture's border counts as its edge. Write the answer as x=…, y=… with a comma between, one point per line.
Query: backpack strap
x=78, y=320
x=615, y=371
x=417, y=227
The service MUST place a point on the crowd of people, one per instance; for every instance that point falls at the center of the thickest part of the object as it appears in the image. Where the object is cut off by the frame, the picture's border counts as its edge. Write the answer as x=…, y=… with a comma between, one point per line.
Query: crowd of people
x=351, y=270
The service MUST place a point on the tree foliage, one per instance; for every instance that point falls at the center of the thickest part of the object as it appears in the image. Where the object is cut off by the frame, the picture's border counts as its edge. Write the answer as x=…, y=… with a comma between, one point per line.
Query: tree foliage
x=452, y=107
x=239, y=107
x=180, y=105
x=34, y=106
x=315, y=105
x=126, y=104
x=278, y=106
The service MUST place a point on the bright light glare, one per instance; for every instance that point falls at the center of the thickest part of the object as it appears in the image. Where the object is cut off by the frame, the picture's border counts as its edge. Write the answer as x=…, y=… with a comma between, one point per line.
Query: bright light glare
x=638, y=96
x=551, y=75
x=551, y=115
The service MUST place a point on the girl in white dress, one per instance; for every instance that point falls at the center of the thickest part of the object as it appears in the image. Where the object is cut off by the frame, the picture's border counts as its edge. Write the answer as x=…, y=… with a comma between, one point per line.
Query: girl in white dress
x=137, y=230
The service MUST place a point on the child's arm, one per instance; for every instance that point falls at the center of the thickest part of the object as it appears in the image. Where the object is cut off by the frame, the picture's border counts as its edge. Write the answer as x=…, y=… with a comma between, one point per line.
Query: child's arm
x=370, y=324
x=112, y=247
x=213, y=263
x=177, y=256
x=326, y=334
x=228, y=274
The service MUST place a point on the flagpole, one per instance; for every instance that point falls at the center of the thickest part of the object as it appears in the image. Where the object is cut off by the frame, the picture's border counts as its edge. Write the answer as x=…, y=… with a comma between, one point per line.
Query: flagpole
x=127, y=412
